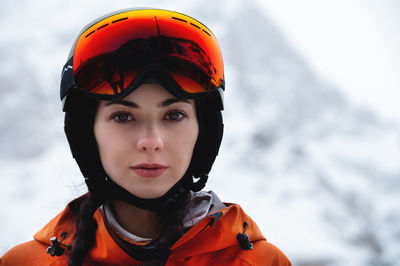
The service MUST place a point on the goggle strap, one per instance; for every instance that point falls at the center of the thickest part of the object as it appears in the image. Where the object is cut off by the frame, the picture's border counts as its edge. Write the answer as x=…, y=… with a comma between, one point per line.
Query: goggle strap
x=67, y=78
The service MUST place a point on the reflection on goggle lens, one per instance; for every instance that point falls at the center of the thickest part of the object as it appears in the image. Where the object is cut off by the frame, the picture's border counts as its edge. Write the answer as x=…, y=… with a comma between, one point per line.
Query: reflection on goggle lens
x=109, y=54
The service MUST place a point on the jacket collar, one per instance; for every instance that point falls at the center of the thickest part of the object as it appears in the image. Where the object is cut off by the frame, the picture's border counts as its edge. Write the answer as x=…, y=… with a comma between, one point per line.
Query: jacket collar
x=204, y=237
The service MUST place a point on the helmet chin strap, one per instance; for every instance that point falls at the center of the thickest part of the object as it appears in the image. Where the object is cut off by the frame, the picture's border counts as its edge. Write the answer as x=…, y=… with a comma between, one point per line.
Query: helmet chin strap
x=108, y=189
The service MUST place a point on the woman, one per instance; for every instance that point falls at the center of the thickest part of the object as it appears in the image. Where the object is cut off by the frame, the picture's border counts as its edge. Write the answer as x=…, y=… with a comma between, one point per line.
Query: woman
x=143, y=93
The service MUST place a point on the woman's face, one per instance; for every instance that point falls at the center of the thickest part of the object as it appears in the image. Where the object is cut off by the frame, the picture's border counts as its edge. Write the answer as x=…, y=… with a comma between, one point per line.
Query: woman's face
x=146, y=140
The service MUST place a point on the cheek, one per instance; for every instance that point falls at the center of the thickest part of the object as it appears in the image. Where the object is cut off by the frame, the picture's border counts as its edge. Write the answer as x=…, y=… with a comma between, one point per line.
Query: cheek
x=108, y=144
x=185, y=142
x=101, y=135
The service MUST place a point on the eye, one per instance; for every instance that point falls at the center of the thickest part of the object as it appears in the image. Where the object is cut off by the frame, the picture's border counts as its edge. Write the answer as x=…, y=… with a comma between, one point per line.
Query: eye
x=175, y=116
x=122, y=117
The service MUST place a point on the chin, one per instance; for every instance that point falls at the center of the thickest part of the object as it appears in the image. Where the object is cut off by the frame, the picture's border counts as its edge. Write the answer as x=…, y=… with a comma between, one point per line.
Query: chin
x=149, y=194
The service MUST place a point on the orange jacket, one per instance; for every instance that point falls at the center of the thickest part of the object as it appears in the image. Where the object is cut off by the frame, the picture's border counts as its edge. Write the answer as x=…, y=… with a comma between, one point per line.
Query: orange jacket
x=212, y=241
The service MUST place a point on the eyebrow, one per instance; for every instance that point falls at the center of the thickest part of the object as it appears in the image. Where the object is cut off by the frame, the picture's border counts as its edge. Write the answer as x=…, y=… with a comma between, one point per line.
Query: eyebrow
x=165, y=103
x=174, y=100
x=122, y=102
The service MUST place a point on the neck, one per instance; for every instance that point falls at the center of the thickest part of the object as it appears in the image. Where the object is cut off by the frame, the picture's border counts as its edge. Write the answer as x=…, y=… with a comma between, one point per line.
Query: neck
x=140, y=222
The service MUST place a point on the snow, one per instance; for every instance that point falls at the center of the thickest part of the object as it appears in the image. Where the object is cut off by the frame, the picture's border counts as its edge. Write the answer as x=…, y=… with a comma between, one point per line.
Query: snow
x=318, y=173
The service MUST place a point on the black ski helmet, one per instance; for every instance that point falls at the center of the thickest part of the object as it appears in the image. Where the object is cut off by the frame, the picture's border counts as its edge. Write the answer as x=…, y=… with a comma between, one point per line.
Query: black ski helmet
x=169, y=47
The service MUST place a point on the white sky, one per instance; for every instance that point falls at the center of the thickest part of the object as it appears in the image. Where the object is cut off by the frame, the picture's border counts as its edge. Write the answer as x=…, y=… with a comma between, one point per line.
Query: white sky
x=353, y=44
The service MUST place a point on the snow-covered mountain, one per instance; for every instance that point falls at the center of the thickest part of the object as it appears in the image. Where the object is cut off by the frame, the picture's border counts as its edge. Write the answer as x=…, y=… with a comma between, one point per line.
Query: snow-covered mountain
x=328, y=168
x=317, y=173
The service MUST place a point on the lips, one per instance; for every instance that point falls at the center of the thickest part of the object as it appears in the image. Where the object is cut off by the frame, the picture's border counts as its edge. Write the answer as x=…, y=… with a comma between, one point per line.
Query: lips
x=149, y=170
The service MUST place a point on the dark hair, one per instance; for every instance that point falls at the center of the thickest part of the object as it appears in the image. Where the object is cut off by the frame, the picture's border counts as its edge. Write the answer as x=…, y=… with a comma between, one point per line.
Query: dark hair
x=86, y=226
x=85, y=235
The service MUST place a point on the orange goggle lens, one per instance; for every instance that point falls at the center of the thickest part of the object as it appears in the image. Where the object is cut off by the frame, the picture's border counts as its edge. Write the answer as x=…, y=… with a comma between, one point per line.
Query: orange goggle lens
x=110, y=53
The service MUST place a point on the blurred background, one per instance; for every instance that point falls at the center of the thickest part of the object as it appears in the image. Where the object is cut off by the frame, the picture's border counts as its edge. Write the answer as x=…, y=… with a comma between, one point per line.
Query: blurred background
x=312, y=141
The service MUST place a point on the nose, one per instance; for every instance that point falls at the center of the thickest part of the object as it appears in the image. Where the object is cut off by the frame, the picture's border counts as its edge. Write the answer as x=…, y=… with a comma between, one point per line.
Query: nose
x=150, y=141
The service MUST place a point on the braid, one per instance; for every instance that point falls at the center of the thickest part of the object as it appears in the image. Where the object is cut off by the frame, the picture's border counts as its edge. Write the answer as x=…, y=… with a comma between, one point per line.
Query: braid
x=172, y=220
x=86, y=226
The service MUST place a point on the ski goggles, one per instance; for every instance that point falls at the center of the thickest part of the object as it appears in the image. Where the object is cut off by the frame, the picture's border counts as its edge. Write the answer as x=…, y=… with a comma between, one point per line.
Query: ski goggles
x=110, y=55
